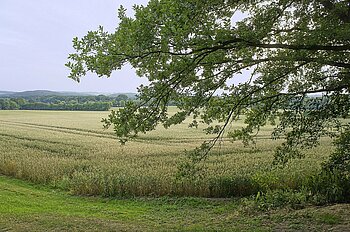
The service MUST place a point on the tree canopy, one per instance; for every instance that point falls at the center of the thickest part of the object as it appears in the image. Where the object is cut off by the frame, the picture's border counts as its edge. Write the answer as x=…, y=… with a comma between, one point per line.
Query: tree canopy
x=192, y=52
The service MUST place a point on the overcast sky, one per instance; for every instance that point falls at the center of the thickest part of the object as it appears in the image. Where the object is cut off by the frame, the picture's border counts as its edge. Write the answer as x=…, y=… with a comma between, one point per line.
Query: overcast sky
x=36, y=38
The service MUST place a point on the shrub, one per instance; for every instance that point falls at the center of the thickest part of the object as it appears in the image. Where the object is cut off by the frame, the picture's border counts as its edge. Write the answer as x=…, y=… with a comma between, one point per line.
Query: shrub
x=281, y=198
x=332, y=184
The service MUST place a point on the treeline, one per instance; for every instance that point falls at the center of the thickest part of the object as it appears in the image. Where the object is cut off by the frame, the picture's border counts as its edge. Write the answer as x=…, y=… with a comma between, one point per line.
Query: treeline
x=87, y=106
x=74, y=103
x=116, y=101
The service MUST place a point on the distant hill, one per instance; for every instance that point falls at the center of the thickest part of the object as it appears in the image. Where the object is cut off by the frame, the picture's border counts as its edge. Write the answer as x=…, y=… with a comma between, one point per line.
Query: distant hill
x=6, y=92
x=41, y=93
x=130, y=95
x=37, y=93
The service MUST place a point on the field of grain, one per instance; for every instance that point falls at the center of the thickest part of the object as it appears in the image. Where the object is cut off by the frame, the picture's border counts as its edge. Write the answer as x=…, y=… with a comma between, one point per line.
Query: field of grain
x=71, y=151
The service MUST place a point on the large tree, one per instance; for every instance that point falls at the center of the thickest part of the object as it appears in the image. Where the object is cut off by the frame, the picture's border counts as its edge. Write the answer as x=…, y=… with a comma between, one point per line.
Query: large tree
x=192, y=51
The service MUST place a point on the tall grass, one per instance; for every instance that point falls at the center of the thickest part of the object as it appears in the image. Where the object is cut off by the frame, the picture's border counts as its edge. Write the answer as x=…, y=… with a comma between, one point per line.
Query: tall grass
x=70, y=150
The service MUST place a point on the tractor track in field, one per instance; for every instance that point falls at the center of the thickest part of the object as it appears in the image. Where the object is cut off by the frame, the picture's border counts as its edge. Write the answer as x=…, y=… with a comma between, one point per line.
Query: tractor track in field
x=84, y=132
x=68, y=130
x=30, y=139
x=98, y=134
x=53, y=147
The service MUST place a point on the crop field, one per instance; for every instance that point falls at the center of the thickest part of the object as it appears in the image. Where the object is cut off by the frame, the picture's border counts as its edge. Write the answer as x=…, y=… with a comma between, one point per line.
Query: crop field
x=72, y=152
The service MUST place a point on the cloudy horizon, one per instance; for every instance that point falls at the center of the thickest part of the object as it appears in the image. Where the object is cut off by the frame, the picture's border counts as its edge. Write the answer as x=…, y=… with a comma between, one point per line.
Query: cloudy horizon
x=36, y=38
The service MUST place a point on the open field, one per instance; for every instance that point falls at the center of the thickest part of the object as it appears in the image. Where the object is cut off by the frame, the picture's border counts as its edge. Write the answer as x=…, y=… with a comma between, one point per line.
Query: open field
x=71, y=151
x=65, y=154
x=26, y=207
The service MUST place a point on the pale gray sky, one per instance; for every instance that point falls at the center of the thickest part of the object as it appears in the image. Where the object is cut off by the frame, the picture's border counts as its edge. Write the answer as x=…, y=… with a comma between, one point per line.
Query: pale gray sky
x=36, y=38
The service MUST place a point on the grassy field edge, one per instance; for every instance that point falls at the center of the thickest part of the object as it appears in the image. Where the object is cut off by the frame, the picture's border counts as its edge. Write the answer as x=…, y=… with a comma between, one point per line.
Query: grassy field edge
x=29, y=207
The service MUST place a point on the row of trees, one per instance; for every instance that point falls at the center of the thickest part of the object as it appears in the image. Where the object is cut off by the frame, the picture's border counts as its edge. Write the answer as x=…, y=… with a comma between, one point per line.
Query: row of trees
x=87, y=106
x=23, y=104
x=116, y=101
x=8, y=104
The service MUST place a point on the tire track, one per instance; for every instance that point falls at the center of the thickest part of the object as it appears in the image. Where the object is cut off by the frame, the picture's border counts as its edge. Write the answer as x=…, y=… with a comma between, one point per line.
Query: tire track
x=67, y=130
x=53, y=147
x=84, y=132
x=110, y=135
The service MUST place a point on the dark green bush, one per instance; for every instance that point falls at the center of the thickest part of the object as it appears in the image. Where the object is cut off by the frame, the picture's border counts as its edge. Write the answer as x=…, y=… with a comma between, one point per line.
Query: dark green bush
x=281, y=198
x=332, y=184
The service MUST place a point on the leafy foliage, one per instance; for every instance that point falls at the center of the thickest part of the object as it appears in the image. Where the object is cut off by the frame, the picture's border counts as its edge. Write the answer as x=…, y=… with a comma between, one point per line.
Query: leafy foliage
x=193, y=53
x=333, y=183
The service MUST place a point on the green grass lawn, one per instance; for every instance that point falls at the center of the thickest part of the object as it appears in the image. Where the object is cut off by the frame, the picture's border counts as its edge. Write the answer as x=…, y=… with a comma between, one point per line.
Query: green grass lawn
x=28, y=207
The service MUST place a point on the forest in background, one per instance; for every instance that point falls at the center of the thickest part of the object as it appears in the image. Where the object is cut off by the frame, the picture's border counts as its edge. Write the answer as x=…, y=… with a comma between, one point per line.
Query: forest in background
x=49, y=100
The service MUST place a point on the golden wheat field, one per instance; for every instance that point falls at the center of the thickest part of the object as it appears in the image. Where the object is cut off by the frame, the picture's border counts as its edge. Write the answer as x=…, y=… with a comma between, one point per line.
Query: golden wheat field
x=71, y=151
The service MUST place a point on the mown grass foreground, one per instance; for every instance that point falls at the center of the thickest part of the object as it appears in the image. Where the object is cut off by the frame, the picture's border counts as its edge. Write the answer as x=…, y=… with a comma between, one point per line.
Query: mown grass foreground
x=71, y=151
x=27, y=207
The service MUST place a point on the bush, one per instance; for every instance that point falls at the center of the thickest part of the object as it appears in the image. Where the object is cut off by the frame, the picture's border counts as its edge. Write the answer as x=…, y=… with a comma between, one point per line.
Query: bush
x=281, y=198
x=333, y=182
